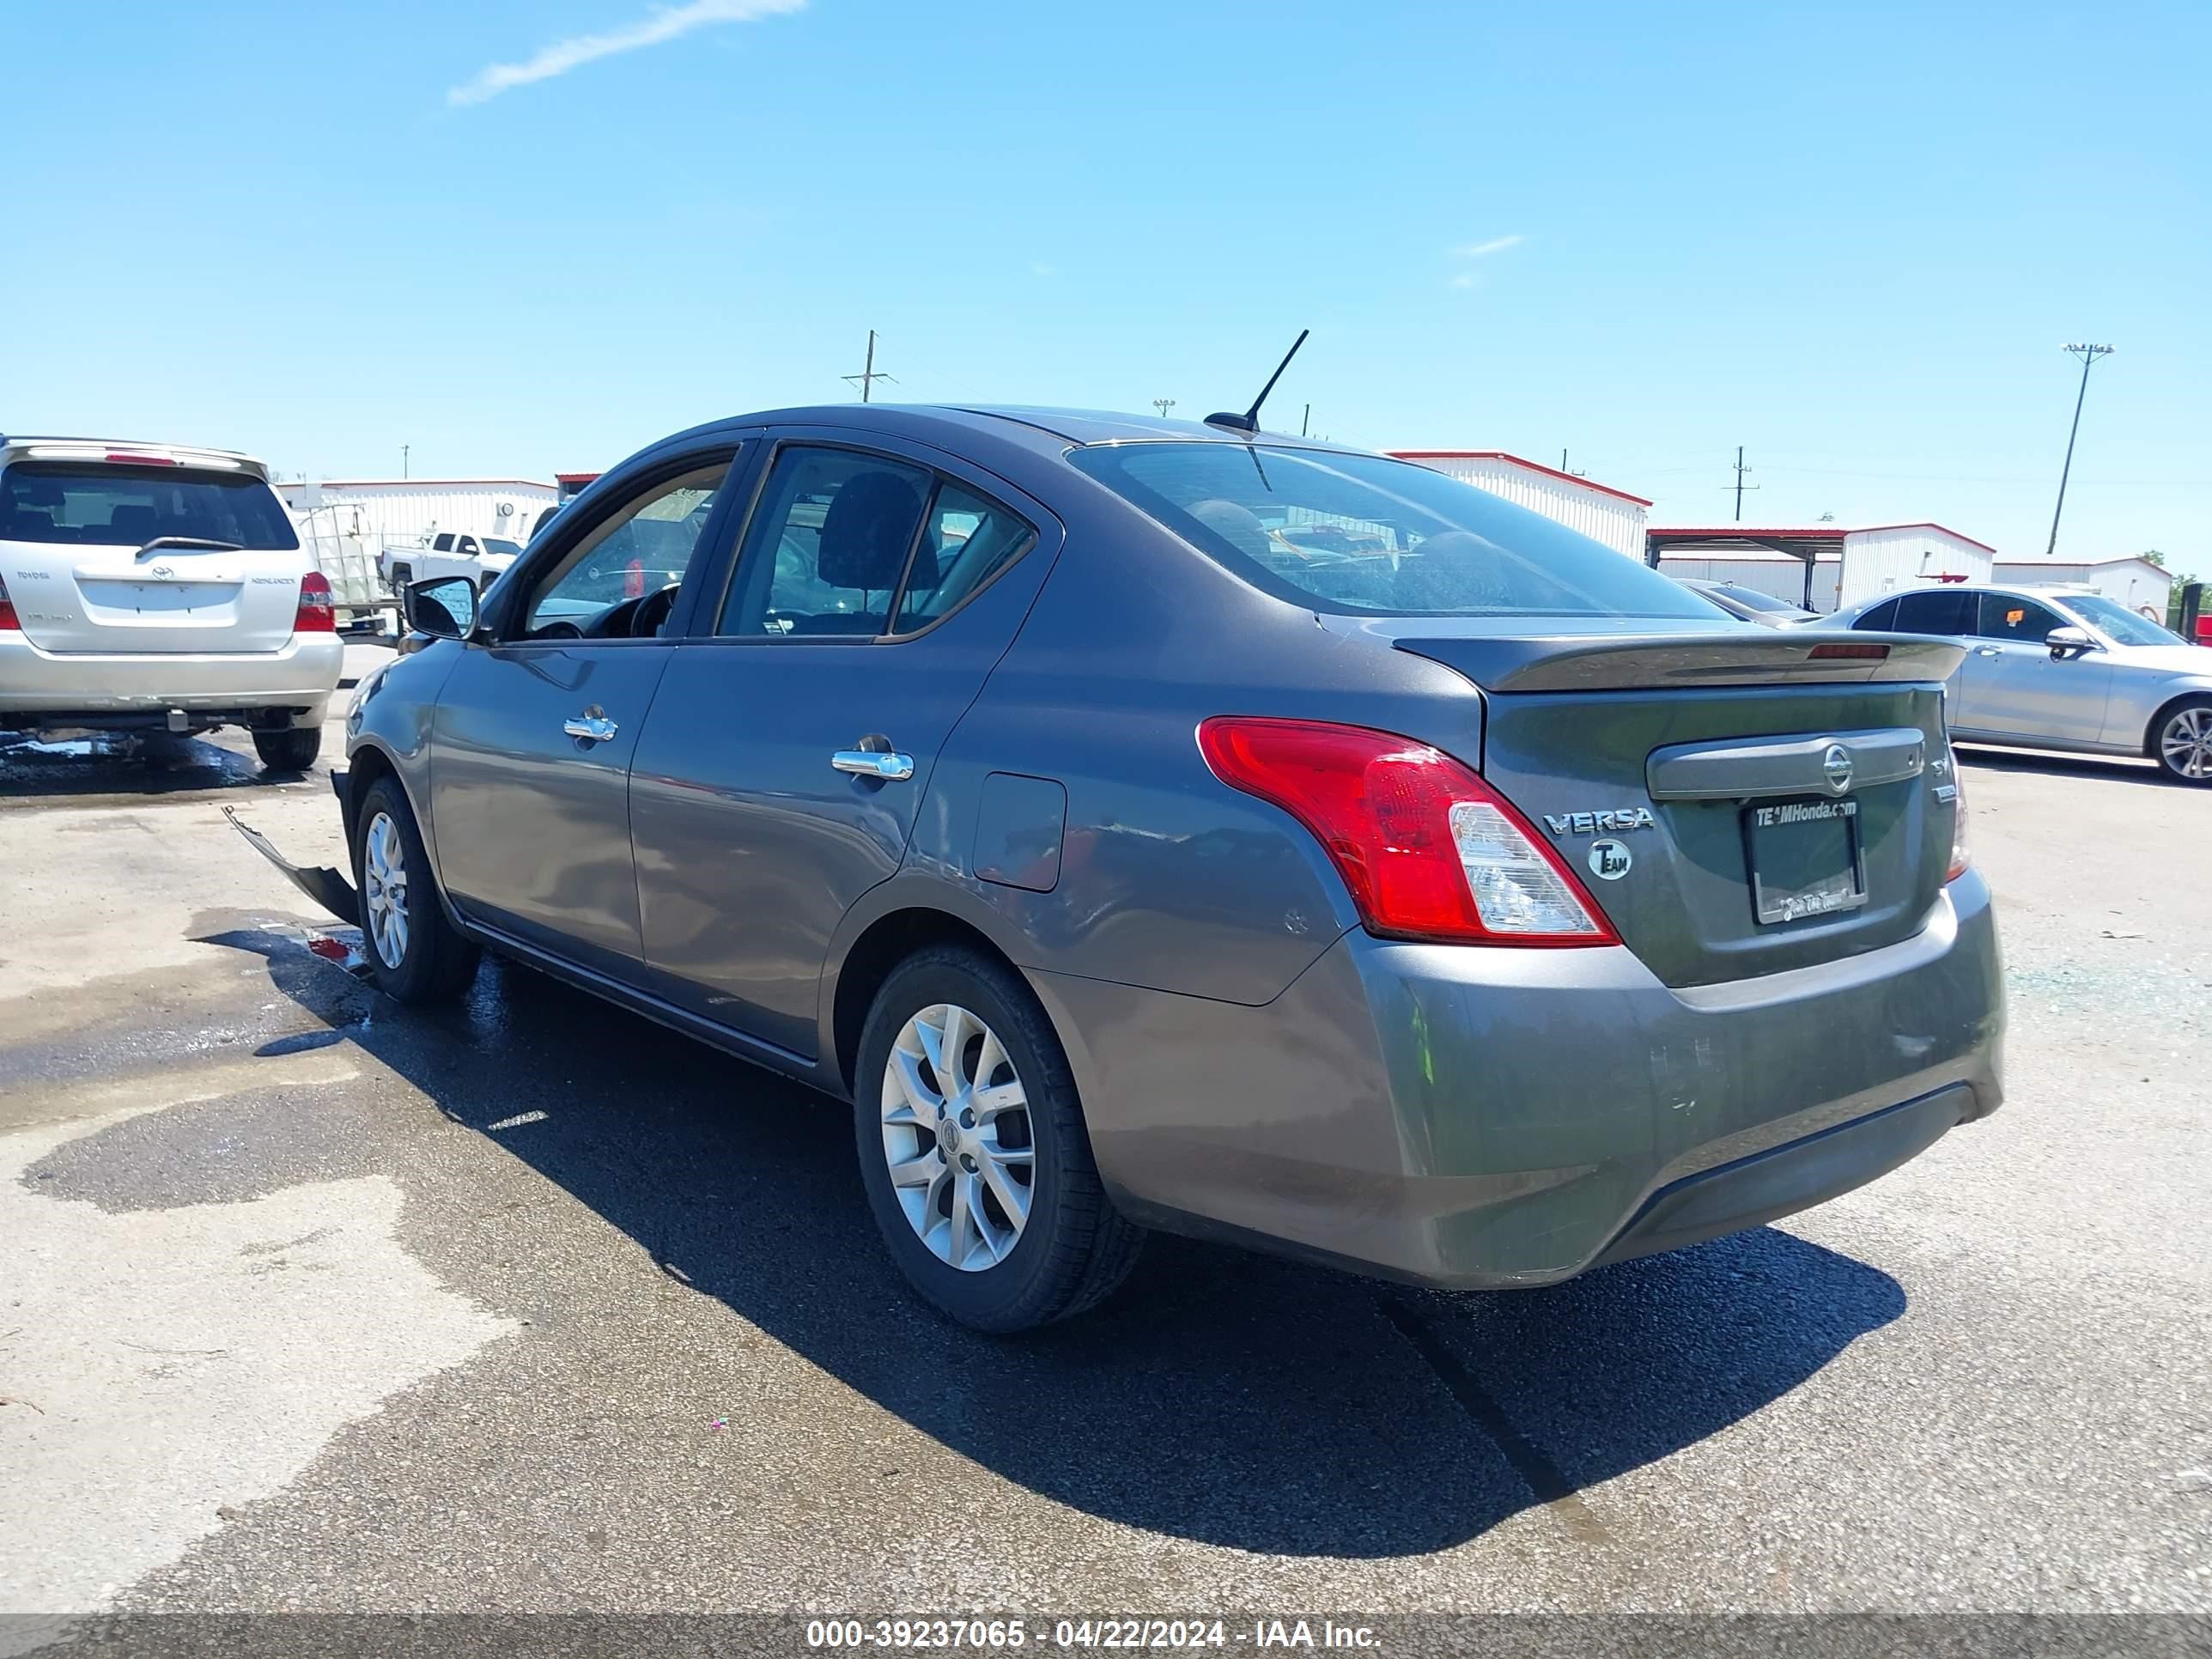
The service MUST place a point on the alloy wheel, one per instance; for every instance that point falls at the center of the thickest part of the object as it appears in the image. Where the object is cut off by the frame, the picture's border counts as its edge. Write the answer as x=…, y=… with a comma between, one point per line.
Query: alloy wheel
x=383, y=889
x=2186, y=745
x=956, y=1138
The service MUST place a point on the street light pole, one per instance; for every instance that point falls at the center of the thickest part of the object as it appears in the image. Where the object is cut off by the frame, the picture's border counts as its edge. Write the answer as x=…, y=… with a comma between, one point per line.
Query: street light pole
x=2088, y=355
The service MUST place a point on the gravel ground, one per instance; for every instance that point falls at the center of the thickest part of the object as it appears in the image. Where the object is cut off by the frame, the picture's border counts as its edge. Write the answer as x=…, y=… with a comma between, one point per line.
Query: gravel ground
x=311, y=1303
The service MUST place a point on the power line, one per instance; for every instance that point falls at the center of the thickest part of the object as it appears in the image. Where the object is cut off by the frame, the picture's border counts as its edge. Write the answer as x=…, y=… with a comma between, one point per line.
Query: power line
x=866, y=379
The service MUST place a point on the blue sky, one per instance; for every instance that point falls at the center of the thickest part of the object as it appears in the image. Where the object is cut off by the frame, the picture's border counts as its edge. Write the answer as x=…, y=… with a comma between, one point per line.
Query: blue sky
x=1852, y=241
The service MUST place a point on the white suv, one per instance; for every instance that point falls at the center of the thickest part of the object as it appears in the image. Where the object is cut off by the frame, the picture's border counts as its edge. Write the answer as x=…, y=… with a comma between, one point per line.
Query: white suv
x=150, y=587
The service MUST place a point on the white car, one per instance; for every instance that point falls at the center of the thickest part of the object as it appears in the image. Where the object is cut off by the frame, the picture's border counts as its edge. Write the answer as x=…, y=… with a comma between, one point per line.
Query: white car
x=154, y=587
x=2052, y=667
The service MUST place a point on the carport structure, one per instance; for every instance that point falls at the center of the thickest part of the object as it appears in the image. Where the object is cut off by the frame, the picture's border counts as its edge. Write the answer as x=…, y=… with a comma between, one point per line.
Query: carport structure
x=1869, y=560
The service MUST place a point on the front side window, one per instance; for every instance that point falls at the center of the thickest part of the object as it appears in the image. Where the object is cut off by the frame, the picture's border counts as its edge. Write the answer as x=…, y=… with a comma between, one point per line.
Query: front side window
x=1368, y=535
x=643, y=548
x=78, y=505
x=1943, y=612
x=827, y=547
x=2008, y=616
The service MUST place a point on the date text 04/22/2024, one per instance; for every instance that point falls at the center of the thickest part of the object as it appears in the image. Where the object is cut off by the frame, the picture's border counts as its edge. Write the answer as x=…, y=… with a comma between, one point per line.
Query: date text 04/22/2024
x=1001, y=1634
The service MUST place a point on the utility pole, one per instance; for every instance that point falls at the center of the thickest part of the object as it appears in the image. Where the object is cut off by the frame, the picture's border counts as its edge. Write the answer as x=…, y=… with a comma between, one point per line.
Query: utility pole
x=1305, y=421
x=1163, y=405
x=403, y=459
x=2088, y=355
x=1568, y=470
x=1740, y=486
x=866, y=379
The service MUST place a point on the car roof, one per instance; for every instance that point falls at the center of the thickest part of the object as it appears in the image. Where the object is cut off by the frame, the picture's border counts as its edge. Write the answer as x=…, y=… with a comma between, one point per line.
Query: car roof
x=1036, y=427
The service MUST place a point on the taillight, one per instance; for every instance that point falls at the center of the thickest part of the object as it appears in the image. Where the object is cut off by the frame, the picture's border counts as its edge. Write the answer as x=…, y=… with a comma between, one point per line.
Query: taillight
x=8, y=618
x=317, y=613
x=1428, y=849
x=1961, y=855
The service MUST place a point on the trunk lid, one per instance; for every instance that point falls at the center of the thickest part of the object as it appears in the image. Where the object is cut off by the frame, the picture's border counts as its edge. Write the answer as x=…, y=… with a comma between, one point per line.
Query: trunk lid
x=147, y=555
x=1738, y=802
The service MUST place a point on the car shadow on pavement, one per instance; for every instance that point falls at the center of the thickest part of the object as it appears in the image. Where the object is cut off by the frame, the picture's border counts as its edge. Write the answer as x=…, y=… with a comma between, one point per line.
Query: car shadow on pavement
x=1223, y=1397
x=2051, y=764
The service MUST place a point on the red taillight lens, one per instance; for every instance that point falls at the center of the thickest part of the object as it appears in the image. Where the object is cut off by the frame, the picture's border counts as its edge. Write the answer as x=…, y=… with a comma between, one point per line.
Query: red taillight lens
x=1428, y=849
x=8, y=618
x=1961, y=855
x=124, y=458
x=317, y=613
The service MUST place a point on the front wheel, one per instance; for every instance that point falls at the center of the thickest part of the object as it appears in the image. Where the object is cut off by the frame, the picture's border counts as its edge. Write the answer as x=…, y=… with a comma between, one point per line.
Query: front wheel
x=974, y=1151
x=2183, y=744
x=414, y=953
x=293, y=749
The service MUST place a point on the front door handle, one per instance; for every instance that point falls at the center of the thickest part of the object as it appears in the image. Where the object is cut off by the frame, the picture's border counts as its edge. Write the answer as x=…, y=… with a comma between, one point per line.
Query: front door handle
x=590, y=727
x=1987, y=651
x=873, y=763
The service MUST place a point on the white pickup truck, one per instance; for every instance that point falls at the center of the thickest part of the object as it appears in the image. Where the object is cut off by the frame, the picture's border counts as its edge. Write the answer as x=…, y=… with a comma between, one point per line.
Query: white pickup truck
x=447, y=553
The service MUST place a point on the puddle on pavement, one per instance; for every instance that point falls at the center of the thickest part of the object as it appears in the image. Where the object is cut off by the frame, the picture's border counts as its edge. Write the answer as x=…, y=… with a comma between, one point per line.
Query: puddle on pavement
x=136, y=763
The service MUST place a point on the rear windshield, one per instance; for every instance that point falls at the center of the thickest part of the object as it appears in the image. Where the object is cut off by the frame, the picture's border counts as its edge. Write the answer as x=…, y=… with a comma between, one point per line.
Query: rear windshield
x=1365, y=534
x=1751, y=599
x=130, y=506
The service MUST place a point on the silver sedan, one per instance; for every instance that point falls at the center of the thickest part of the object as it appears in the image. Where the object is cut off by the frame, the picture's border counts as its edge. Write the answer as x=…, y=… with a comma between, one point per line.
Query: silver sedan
x=2062, y=668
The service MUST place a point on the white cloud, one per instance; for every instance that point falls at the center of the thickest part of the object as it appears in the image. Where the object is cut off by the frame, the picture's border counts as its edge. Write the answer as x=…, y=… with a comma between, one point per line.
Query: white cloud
x=1484, y=250
x=666, y=24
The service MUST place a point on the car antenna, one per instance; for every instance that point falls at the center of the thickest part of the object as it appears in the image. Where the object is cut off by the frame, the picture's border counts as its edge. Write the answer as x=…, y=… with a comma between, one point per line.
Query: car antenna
x=1249, y=420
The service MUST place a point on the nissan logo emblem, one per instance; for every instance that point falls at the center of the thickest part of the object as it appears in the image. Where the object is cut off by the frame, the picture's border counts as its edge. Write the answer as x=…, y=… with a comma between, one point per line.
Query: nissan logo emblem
x=1836, y=767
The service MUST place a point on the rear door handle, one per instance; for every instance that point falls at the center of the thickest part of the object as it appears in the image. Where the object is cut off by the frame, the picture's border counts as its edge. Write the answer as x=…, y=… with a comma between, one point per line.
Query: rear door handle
x=873, y=763
x=590, y=727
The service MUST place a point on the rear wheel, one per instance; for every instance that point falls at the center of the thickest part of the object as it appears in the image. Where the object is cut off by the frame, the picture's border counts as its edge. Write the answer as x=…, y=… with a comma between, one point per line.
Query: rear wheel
x=2183, y=742
x=414, y=953
x=293, y=749
x=973, y=1148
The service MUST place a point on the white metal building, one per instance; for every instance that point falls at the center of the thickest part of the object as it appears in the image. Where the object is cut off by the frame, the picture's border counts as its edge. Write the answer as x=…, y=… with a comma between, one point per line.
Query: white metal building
x=2142, y=587
x=1868, y=561
x=378, y=510
x=1605, y=514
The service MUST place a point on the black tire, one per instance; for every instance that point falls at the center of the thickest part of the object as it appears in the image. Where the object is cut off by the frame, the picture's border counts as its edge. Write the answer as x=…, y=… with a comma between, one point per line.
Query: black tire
x=2167, y=728
x=1075, y=1248
x=435, y=961
x=293, y=749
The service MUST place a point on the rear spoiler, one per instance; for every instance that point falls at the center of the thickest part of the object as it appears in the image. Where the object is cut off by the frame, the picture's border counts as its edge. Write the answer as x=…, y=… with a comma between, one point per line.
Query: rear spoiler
x=1785, y=656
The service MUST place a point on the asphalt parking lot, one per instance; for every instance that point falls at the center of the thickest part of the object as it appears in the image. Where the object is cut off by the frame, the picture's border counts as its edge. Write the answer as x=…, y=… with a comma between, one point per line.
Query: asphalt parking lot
x=310, y=1303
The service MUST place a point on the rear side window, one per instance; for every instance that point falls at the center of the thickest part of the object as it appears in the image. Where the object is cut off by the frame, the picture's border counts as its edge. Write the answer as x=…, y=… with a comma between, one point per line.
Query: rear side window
x=131, y=505
x=1938, y=610
x=828, y=546
x=1368, y=535
x=2008, y=616
x=966, y=540
x=1880, y=619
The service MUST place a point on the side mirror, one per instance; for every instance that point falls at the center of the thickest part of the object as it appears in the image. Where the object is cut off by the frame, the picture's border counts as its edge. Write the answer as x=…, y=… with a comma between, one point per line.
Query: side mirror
x=2064, y=639
x=443, y=607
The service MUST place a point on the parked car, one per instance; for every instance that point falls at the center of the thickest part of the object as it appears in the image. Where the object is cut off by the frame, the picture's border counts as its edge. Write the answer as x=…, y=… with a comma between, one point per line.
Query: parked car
x=1460, y=902
x=482, y=559
x=1750, y=605
x=151, y=586
x=2055, y=667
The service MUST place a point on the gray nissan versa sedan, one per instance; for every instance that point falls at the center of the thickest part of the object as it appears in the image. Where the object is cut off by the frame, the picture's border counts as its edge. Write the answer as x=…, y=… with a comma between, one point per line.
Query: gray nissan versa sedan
x=1152, y=824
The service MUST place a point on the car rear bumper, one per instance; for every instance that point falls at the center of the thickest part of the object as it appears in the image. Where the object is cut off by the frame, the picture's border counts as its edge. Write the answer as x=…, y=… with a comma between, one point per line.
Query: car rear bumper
x=1476, y=1117
x=302, y=675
